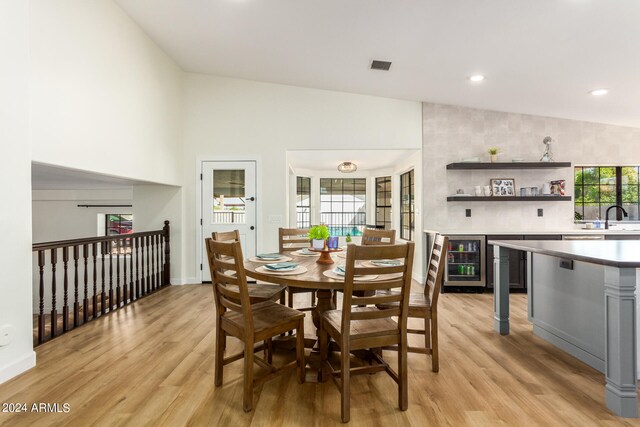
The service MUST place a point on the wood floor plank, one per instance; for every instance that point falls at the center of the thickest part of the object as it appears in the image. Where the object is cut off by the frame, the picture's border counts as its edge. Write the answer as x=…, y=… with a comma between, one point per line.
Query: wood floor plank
x=151, y=363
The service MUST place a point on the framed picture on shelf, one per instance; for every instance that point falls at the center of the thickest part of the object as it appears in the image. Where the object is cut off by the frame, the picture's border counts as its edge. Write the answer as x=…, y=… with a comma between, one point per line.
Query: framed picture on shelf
x=503, y=187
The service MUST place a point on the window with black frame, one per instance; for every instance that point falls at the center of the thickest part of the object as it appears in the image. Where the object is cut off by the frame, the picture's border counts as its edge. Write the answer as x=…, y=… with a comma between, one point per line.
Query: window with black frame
x=383, y=202
x=115, y=225
x=599, y=187
x=407, y=208
x=343, y=205
x=303, y=202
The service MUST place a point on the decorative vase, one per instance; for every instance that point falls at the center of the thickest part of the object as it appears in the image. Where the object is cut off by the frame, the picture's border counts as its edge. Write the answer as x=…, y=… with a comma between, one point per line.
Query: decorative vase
x=494, y=158
x=317, y=243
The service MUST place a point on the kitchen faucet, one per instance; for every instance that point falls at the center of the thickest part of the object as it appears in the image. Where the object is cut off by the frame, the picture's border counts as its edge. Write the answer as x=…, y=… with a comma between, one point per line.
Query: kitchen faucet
x=606, y=222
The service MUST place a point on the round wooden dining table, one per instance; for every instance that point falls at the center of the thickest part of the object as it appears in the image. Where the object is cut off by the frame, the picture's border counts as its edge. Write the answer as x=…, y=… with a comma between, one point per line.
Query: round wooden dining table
x=313, y=278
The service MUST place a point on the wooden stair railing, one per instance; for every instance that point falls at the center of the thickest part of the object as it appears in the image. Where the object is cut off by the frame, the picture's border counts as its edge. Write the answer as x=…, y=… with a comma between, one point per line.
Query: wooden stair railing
x=141, y=267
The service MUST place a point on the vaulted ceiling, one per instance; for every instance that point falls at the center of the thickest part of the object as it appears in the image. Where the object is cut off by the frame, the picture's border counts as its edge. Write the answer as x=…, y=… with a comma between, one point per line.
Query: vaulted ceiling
x=539, y=57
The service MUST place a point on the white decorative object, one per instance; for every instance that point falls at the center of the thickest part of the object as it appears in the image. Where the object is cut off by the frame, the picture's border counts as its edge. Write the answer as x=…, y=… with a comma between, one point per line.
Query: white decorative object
x=478, y=190
x=317, y=243
x=547, y=156
x=487, y=190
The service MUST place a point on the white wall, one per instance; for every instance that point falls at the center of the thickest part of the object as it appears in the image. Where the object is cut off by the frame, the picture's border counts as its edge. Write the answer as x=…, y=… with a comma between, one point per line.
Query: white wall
x=17, y=354
x=105, y=98
x=56, y=215
x=227, y=117
x=454, y=133
x=152, y=205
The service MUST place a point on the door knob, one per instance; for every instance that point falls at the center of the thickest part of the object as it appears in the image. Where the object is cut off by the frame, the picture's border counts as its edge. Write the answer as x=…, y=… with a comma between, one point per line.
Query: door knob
x=252, y=198
x=252, y=228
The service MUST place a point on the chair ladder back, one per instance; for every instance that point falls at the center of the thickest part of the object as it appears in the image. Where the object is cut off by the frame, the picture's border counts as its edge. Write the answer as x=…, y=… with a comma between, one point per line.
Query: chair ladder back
x=435, y=269
x=224, y=257
x=226, y=236
x=292, y=239
x=371, y=237
x=361, y=254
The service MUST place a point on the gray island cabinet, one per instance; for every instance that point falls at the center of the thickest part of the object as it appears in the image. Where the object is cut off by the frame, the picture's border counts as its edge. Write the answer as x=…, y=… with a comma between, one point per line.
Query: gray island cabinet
x=581, y=299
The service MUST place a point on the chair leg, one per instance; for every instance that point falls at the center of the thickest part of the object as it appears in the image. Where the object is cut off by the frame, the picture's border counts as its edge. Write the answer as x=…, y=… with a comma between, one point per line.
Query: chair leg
x=247, y=397
x=313, y=298
x=435, y=363
x=269, y=350
x=323, y=337
x=403, y=389
x=345, y=383
x=221, y=339
x=290, y=298
x=427, y=333
x=300, y=350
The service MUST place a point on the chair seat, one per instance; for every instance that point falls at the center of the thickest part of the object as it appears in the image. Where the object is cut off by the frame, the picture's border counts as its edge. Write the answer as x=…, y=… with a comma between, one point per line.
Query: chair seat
x=332, y=321
x=268, y=317
x=419, y=303
x=259, y=292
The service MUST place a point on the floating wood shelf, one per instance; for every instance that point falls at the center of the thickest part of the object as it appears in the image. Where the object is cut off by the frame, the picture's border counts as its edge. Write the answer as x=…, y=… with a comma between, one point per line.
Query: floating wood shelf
x=508, y=199
x=509, y=165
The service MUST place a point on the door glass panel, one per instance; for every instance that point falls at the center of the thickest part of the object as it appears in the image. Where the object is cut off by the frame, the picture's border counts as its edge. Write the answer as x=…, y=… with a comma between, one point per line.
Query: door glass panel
x=228, y=197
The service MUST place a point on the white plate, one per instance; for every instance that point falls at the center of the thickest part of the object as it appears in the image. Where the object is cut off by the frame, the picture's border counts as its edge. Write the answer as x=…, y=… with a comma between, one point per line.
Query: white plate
x=299, y=270
x=332, y=275
x=281, y=259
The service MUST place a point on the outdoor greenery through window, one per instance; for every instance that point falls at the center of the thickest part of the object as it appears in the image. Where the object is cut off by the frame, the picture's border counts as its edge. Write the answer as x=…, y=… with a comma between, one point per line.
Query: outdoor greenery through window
x=383, y=202
x=303, y=202
x=599, y=187
x=115, y=225
x=342, y=205
x=407, y=208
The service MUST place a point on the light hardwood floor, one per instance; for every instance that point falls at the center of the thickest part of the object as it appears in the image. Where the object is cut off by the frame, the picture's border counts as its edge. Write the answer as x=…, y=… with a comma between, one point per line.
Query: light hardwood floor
x=151, y=363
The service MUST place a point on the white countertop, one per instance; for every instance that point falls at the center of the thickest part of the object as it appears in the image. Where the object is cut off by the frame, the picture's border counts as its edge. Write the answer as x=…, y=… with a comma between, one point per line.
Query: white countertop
x=574, y=231
x=615, y=253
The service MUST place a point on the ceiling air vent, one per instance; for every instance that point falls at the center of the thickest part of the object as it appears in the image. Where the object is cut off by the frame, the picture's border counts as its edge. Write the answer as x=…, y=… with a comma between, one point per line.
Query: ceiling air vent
x=380, y=65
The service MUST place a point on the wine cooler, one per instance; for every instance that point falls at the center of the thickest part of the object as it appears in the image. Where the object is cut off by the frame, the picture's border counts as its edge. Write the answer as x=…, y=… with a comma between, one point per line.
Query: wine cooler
x=465, y=261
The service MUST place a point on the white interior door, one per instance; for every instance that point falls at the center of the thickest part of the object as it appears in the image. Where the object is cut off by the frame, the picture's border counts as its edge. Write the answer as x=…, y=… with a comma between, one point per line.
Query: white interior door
x=229, y=203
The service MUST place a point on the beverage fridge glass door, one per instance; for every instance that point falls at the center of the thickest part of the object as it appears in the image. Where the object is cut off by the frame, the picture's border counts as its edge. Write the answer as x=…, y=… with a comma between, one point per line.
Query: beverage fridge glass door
x=465, y=261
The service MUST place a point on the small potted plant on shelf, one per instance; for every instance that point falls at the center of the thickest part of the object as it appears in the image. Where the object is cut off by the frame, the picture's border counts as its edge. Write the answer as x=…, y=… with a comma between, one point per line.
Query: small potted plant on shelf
x=318, y=234
x=493, y=151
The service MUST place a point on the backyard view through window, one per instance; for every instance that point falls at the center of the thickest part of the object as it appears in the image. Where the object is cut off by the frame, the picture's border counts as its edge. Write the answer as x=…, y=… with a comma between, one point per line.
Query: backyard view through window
x=598, y=187
x=407, y=218
x=228, y=197
x=117, y=224
x=303, y=202
x=383, y=202
x=342, y=205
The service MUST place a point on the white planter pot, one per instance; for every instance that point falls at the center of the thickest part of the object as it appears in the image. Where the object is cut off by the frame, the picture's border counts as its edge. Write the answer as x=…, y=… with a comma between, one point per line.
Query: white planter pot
x=317, y=243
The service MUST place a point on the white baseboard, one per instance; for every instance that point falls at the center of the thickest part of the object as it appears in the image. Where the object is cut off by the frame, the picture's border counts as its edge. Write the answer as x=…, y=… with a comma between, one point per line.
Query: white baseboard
x=19, y=366
x=183, y=281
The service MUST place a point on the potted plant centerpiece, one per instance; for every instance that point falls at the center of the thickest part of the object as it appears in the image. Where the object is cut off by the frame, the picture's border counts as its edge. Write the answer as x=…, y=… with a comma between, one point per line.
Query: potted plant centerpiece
x=318, y=234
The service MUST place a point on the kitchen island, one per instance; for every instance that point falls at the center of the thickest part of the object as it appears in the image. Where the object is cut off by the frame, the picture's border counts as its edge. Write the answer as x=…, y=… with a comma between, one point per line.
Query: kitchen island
x=581, y=299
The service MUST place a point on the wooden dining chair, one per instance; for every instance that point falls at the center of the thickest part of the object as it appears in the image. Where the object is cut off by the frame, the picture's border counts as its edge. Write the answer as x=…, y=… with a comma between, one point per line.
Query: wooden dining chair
x=289, y=240
x=367, y=326
x=424, y=305
x=378, y=237
x=250, y=323
x=258, y=292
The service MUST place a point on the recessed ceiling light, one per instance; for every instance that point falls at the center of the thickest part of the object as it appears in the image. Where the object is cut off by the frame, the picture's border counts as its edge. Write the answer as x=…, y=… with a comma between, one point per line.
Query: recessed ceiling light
x=599, y=92
x=476, y=78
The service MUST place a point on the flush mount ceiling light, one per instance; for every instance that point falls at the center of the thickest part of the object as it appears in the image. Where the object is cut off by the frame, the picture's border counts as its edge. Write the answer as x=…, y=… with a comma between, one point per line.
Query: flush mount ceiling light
x=347, y=167
x=476, y=78
x=599, y=92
